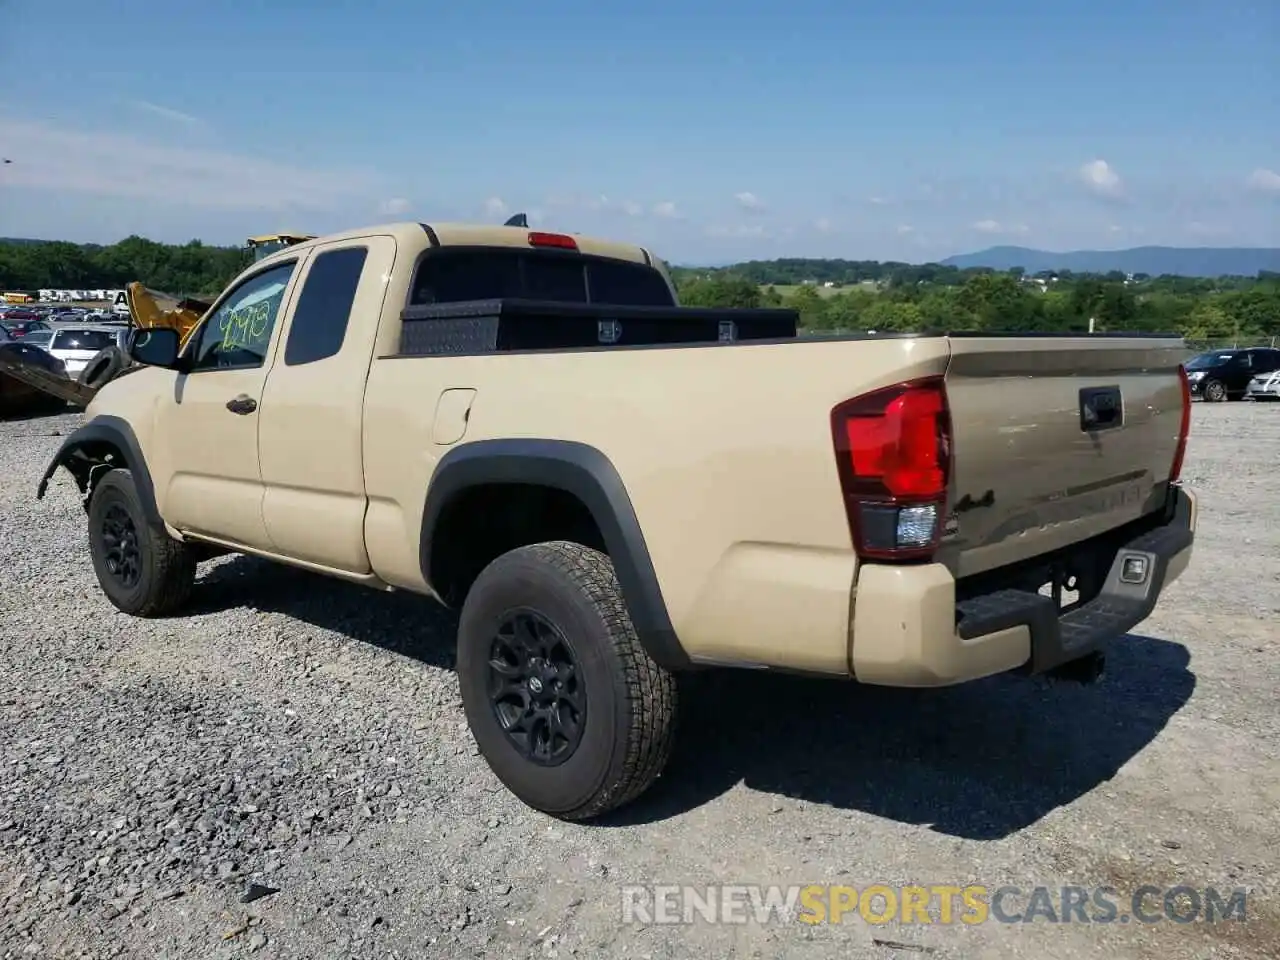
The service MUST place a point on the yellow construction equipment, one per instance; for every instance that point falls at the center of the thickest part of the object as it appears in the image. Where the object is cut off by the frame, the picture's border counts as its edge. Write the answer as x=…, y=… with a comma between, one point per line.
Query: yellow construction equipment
x=152, y=308
x=268, y=244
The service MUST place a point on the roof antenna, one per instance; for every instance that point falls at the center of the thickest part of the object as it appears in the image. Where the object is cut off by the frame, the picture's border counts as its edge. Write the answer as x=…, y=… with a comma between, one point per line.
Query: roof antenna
x=519, y=220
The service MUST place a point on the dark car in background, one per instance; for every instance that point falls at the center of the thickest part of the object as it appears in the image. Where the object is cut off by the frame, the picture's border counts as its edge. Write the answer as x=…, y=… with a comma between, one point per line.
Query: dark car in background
x=38, y=338
x=1225, y=374
x=20, y=324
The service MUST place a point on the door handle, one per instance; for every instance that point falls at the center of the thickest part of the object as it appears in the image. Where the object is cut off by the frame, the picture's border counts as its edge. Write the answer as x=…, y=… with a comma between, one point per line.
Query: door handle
x=243, y=404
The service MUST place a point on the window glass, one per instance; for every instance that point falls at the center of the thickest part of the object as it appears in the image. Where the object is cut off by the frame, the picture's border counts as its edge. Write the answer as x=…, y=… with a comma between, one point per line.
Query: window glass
x=451, y=276
x=238, y=333
x=553, y=278
x=94, y=340
x=320, y=319
x=630, y=284
x=454, y=276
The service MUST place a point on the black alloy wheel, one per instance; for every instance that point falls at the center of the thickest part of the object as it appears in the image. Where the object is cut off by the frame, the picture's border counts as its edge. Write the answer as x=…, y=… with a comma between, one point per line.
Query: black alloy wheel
x=120, y=551
x=535, y=688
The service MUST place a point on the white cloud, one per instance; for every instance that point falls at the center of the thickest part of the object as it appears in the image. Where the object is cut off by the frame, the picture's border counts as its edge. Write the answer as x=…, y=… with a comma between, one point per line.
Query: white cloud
x=742, y=231
x=1264, y=181
x=1101, y=179
x=632, y=209
x=995, y=226
x=666, y=209
x=878, y=201
x=824, y=225
x=494, y=207
x=167, y=112
x=395, y=207
x=748, y=201
x=49, y=157
x=904, y=229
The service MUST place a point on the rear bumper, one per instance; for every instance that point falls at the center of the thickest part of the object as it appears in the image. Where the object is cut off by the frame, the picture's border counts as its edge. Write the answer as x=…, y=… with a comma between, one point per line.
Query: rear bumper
x=910, y=630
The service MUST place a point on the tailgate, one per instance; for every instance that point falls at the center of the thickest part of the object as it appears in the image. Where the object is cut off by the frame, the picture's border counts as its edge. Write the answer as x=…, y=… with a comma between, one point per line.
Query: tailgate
x=1056, y=439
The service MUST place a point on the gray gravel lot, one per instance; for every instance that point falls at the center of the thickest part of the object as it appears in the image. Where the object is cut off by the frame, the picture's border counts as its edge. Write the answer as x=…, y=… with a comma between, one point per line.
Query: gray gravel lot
x=307, y=736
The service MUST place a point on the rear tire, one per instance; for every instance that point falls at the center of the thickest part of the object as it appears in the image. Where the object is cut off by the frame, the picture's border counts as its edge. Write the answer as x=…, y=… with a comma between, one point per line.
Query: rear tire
x=591, y=716
x=142, y=570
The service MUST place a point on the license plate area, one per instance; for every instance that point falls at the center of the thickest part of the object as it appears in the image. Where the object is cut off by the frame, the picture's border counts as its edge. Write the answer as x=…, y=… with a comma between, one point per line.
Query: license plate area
x=1101, y=408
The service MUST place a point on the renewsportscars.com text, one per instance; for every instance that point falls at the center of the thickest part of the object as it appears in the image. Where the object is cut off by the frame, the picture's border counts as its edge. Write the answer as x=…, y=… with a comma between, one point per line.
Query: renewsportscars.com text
x=936, y=904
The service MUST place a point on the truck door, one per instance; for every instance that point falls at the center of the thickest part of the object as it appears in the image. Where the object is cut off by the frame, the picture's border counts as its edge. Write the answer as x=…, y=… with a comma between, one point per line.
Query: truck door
x=209, y=433
x=310, y=433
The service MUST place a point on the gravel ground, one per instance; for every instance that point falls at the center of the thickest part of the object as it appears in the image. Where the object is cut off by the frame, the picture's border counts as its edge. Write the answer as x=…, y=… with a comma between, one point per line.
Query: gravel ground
x=307, y=737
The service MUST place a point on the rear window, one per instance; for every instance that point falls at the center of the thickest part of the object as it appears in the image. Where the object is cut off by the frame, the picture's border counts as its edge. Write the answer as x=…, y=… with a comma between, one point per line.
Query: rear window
x=453, y=276
x=82, y=340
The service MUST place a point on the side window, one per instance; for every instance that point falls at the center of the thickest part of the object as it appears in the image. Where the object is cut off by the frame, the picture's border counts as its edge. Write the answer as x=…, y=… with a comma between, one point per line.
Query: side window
x=237, y=334
x=320, y=319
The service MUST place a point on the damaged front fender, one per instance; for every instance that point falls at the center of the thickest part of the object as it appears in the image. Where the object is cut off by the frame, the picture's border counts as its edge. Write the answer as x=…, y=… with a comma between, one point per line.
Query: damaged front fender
x=104, y=443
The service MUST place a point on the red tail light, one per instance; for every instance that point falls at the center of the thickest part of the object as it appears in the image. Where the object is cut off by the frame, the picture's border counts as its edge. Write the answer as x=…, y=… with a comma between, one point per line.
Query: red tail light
x=1184, y=428
x=893, y=454
x=561, y=240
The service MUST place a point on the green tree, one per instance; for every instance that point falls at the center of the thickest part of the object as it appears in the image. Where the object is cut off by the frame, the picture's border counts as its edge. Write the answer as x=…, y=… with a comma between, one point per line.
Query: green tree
x=725, y=292
x=811, y=306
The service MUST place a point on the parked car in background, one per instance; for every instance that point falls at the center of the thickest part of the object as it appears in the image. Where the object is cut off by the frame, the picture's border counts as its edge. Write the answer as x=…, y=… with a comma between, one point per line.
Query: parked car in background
x=19, y=325
x=39, y=338
x=1264, y=386
x=1226, y=374
x=75, y=346
x=18, y=397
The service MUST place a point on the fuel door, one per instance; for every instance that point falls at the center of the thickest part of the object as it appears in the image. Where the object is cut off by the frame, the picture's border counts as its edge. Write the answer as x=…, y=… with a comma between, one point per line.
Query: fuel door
x=453, y=411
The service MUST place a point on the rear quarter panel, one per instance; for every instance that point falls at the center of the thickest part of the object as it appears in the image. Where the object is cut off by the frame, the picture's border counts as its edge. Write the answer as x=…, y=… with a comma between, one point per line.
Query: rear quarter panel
x=726, y=454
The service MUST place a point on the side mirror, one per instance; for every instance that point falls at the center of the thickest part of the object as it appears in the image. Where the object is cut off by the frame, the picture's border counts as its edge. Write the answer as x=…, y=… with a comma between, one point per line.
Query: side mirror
x=155, y=346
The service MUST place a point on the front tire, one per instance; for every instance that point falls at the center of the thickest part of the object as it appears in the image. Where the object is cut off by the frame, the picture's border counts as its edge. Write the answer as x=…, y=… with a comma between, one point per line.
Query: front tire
x=1215, y=391
x=566, y=706
x=142, y=570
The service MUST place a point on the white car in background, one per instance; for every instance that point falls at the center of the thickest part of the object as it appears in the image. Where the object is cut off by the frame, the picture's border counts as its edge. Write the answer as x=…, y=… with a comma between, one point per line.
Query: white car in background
x=1265, y=386
x=76, y=344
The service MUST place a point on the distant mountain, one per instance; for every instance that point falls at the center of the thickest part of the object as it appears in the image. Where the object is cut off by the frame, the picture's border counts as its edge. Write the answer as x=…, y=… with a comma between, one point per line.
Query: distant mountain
x=19, y=240
x=1181, y=261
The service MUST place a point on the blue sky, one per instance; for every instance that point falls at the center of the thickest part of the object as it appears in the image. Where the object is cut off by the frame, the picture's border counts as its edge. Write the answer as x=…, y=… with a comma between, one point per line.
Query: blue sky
x=711, y=131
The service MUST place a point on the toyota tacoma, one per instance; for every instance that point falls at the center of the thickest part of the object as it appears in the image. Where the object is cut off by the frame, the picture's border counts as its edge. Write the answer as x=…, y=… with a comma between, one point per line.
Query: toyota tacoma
x=614, y=489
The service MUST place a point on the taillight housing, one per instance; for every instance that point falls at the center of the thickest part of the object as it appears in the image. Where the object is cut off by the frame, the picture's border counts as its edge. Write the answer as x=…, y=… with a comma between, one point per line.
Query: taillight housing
x=1184, y=427
x=893, y=455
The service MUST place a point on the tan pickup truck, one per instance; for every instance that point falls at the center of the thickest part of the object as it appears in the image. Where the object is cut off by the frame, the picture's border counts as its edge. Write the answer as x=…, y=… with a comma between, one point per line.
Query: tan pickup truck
x=615, y=489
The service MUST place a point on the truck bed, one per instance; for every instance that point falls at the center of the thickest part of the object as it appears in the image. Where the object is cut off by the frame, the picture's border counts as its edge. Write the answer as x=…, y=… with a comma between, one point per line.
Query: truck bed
x=745, y=422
